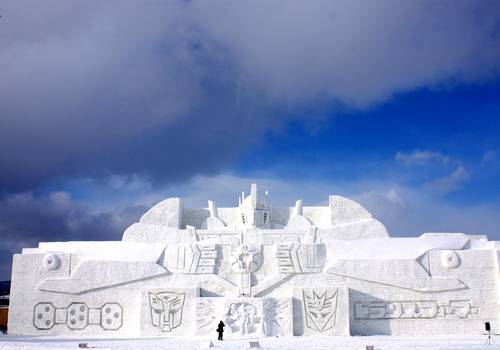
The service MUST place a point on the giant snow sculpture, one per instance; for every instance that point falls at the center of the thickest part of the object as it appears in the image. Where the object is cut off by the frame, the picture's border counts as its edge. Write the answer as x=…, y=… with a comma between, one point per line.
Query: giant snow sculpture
x=263, y=271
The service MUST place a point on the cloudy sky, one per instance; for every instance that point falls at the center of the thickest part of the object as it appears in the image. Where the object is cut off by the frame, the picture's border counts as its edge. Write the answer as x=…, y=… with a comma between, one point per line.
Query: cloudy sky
x=109, y=107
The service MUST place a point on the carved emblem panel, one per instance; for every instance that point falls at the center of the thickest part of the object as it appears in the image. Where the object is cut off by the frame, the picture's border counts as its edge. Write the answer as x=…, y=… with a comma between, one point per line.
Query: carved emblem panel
x=324, y=311
x=461, y=309
x=191, y=258
x=166, y=310
x=295, y=257
x=78, y=316
x=320, y=308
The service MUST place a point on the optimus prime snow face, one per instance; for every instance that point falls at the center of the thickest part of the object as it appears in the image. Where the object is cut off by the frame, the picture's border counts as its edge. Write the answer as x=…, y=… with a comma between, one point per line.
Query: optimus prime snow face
x=166, y=310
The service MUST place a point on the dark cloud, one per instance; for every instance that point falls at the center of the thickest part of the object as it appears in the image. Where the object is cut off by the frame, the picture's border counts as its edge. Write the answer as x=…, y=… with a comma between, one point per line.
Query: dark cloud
x=26, y=219
x=168, y=90
x=171, y=89
x=128, y=90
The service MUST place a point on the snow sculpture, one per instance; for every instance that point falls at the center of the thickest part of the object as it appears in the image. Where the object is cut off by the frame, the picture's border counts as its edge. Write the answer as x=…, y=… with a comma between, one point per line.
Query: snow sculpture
x=320, y=309
x=243, y=318
x=77, y=316
x=263, y=271
x=166, y=310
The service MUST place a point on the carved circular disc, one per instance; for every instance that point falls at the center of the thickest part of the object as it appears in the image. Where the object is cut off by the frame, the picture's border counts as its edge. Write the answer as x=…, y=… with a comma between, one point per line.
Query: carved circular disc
x=51, y=262
x=450, y=260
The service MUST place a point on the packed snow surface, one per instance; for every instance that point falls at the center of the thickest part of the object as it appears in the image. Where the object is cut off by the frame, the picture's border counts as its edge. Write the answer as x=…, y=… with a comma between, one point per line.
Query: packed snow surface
x=291, y=343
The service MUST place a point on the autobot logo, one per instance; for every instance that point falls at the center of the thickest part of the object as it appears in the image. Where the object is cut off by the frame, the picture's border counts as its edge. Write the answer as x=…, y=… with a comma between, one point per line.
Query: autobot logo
x=246, y=259
x=166, y=309
x=320, y=308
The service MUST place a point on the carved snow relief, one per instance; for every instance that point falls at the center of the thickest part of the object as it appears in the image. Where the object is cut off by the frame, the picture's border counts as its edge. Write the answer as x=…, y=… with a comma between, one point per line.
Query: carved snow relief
x=321, y=311
x=78, y=316
x=243, y=319
x=191, y=258
x=450, y=260
x=166, y=310
x=246, y=259
x=299, y=257
x=320, y=307
x=206, y=315
x=51, y=262
x=277, y=317
x=414, y=309
x=44, y=316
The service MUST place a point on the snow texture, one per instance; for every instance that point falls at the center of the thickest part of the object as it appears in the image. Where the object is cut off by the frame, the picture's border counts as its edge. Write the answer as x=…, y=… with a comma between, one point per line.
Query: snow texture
x=287, y=343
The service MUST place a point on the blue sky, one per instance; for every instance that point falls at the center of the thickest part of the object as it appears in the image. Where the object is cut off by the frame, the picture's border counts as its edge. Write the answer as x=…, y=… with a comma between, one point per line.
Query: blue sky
x=107, y=108
x=461, y=122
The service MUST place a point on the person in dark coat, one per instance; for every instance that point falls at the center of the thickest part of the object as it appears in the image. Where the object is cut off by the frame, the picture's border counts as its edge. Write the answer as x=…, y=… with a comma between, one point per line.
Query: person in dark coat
x=220, y=329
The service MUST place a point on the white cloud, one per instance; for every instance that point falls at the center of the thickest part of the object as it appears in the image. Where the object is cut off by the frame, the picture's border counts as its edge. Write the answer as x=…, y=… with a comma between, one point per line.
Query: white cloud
x=489, y=157
x=422, y=212
x=449, y=183
x=359, y=53
x=129, y=183
x=436, y=163
x=418, y=157
x=127, y=86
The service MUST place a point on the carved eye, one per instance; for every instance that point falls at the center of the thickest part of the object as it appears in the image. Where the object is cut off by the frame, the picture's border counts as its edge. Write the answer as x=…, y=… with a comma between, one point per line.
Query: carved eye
x=450, y=260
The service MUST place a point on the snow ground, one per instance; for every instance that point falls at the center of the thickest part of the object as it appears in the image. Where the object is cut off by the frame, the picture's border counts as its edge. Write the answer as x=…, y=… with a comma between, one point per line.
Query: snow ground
x=291, y=343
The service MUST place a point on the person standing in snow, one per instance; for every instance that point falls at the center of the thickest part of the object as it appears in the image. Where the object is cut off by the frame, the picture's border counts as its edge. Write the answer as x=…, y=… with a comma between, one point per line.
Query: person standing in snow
x=220, y=329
